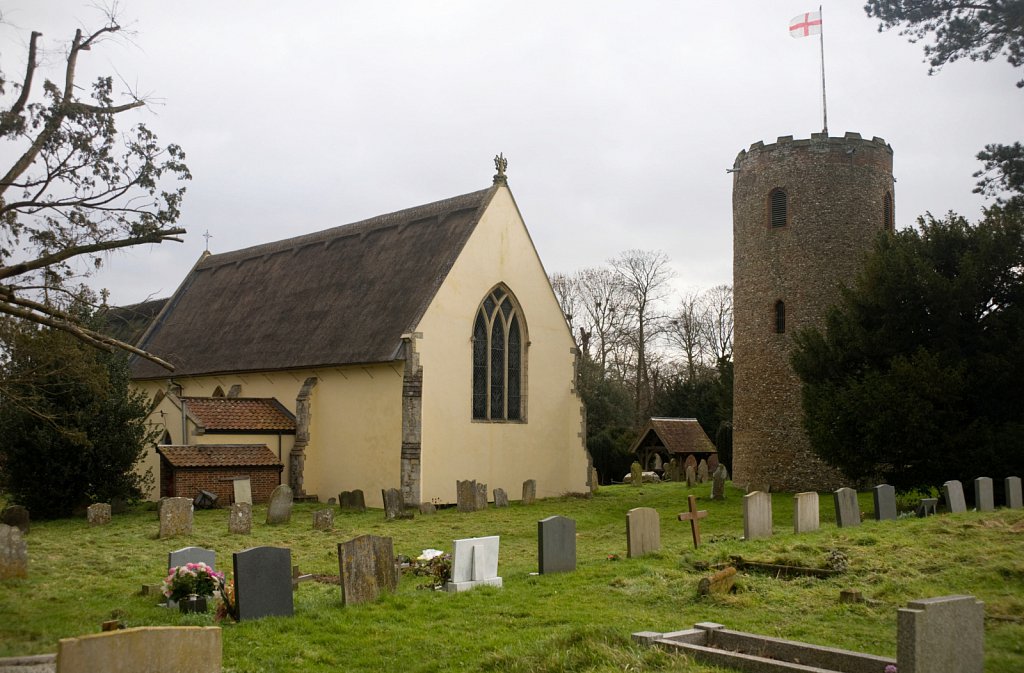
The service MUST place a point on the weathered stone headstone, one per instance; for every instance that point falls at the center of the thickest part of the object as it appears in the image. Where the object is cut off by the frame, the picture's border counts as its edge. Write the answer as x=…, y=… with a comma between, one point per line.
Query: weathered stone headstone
x=712, y=463
x=702, y=471
x=595, y=481
x=757, y=515
x=465, y=494
x=500, y=498
x=636, y=474
x=643, y=531
x=331, y=502
x=352, y=501
x=263, y=582
x=941, y=635
x=367, y=565
x=394, y=505
x=180, y=557
x=806, y=512
x=175, y=517
x=13, y=553
x=529, y=491
x=474, y=563
x=242, y=488
x=240, y=518
x=984, y=501
x=481, y=496
x=17, y=516
x=98, y=514
x=428, y=508
x=155, y=649
x=718, y=480
x=323, y=519
x=954, y=492
x=847, y=507
x=556, y=545
x=885, y=503
x=280, y=508
x=672, y=471
x=1013, y=493
x=928, y=507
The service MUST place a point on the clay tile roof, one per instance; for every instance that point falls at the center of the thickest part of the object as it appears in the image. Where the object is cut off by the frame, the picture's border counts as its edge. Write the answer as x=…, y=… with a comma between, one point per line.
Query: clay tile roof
x=677, y=435
x=241, y=413
x=219, y=455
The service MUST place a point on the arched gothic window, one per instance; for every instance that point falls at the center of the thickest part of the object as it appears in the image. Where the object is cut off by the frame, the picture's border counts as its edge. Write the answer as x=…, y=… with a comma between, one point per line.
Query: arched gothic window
x=777, y=203
x=887, y=217
x=498, y=358
x=780, y=317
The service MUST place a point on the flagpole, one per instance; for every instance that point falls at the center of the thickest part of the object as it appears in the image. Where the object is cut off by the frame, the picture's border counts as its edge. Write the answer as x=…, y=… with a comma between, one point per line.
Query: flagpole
x=821, y=34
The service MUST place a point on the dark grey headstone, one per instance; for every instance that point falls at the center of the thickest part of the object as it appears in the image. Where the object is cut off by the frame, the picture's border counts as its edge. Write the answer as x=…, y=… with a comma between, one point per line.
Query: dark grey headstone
x=352, y=501
x=556, y=545
x=367, y=566
x=954, y=492
x=180, y=557
x=984, y=501
x=847, y=507
x=13, y=553
x=280, y=508
x=17, y=516
x=500, y=498
x=481, y=496
x=529, y=491
x=263, y=583
x=718, y=480
x=465, y=493
x=394, y=505
x=1013, y=493
x=885, y=503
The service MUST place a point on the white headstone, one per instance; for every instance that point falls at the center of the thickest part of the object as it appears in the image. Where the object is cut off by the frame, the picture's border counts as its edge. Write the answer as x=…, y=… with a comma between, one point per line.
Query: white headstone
x=757, y=515
x=474, y=564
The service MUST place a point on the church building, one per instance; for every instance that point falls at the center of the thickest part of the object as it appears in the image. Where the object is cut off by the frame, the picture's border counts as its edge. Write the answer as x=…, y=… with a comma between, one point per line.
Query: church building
x=410, y=350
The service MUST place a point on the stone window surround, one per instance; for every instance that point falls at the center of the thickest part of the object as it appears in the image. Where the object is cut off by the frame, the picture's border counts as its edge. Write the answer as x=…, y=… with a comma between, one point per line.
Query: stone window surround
x=524, y=342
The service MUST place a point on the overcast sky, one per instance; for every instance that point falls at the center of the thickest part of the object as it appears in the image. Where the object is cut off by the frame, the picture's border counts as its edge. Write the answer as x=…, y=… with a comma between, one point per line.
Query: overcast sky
x=618, y=119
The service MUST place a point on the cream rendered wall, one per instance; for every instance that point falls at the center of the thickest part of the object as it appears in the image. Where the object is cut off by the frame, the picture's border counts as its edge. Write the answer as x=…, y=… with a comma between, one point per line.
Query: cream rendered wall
x=355, y=428
x=547, y=447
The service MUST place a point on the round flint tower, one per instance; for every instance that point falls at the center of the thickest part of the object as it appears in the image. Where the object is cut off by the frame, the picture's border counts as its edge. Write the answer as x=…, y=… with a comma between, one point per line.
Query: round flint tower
x=805, y=212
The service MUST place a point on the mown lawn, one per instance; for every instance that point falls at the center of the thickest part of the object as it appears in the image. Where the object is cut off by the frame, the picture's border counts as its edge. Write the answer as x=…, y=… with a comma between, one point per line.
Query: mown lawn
x=81, y=576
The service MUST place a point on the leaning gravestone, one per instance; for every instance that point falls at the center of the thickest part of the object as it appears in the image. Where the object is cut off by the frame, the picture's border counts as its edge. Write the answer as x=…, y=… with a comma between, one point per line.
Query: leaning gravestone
x=806, y=513
x=175, y=517
x=718, y=482
x=323, y=519
x=556, y=545
x=13, y=553
x=17, y=516
x=529, y=491
x=240, y=518
x=941, y=635
x=394, y=505
x=643, y=531
x=1013, y=493
x=98, y=514
x=242, y=489
x=757, y=515
x=367, y=565
x=500, y=498
x=691, y=475
x=263, y=583
x=280, y=508
x=352, y=501
x=636, y=474
x=885, y=502
x=983, y=498
x=702, y=471
x=180, y=557
x=474, y=563
x=954, y=492
x=155, y=649
x=481, y=496
x=465, y=494
x=847, y=507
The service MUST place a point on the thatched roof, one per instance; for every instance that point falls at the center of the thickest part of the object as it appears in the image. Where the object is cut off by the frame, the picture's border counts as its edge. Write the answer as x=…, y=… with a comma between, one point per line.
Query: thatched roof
x=675, y=435
x=340, y=296
x=128, y=323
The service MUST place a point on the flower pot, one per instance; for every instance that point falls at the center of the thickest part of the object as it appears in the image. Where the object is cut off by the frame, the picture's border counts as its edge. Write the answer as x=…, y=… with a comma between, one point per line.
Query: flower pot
x=192, y=603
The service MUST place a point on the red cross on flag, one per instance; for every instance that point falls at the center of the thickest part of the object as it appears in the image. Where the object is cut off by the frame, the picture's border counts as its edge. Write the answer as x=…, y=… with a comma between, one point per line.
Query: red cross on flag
x=808, y=23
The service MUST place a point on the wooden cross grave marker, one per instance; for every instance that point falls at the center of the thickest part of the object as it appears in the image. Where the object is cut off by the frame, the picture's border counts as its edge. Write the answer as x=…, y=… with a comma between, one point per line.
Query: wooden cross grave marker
x=694, y=517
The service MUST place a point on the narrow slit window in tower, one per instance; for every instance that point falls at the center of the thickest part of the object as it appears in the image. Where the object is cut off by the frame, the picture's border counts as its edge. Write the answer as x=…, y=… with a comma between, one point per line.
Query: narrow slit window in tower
x=780, y=317
x=887, y=219
x=777, y=199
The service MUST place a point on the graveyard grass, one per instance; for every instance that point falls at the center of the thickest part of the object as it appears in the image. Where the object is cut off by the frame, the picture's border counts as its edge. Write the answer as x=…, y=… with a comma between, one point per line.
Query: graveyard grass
x=80, y=576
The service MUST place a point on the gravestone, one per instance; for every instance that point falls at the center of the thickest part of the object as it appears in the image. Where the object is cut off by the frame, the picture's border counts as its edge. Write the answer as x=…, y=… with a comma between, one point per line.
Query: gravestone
x=240, y=518
x=180, y=557
x=474, y=563
x=500, y=498
x=636, y=474
x=279, y=510
x=718, y=480
x=481, y=496
x=465, y=494
x=702, y=471
x=529, y=491
x=352, y=501
x=118, y=505
x=242, y=488
x=643, y=531
x=428, y=508
x=712, y=463
x=13, y=553
x=885, y=502
x=154, y=649
x=263, y=583
x=691, y=475
x=394, y=505
x=331, y=502
x=323, y=519
x=806, y=512
x=954, y=492
x=941, y=635
x=17, y=516
x=98, y=514
x=847, y=507
x=928, y=507
x=672, y=471
x=984, y=501
x=367, y=565
x=1013, y=493
x=175, y=517
x=757, y=515
x=694, y=516
x=556, y=545
x=595, y=482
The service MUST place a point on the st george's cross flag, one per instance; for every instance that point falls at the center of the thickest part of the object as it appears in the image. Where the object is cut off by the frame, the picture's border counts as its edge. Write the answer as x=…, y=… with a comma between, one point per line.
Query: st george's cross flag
x=808, y=23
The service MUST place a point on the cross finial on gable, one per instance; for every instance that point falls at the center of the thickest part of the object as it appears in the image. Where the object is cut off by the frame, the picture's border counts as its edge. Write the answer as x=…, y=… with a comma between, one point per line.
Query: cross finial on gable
x=500, y=165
